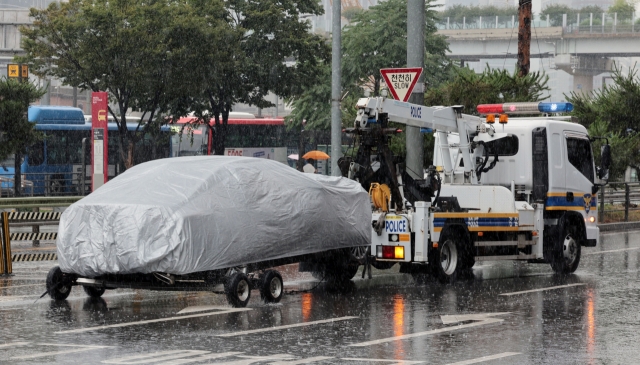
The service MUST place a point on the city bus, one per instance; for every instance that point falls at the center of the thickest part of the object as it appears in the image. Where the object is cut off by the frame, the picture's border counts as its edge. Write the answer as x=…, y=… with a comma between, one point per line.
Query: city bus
x=246, y=136
x=53, y=166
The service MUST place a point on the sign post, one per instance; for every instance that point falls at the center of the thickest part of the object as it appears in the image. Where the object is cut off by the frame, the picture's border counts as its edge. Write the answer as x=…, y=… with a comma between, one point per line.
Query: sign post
x=401, y=81
x=99, y=132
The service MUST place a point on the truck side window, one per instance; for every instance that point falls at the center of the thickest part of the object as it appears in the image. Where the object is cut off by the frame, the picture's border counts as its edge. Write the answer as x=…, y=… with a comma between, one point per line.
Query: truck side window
x=579, y=154
x=507, y=146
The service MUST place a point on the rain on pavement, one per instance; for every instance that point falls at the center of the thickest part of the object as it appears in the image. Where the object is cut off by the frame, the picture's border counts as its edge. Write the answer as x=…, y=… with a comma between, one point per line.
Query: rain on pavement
x=507, y=313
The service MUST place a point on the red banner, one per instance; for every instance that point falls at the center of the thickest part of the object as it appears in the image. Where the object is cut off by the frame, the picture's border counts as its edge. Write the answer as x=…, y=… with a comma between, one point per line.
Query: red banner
x=99, y=134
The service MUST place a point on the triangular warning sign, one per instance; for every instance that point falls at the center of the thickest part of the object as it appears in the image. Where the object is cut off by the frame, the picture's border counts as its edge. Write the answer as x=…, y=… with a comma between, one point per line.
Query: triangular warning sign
x=401, y=81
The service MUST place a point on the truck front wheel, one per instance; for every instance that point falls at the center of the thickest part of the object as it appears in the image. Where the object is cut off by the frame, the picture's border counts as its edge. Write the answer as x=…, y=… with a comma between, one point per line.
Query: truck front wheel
x=566, y=254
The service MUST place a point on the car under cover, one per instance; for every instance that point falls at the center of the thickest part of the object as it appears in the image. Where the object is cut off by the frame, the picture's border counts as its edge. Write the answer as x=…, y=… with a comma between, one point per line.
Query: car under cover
x=192, y=214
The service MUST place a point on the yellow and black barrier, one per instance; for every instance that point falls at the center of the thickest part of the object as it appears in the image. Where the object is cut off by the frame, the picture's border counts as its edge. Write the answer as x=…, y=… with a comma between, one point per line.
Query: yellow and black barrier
x=6, y=258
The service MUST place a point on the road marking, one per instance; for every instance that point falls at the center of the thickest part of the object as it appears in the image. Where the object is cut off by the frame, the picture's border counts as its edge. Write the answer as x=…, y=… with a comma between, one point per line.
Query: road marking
x=54, y=353
x=482, y=319
x=285, y=327
x=609, y=251
x=20, y=286
x=393, y=362
x=201, y=308
x=248, y=360
x=173, y=357
x=543, y=289
x=14, y=344
x=119, y=325
x=303, y=361
x=485, y=358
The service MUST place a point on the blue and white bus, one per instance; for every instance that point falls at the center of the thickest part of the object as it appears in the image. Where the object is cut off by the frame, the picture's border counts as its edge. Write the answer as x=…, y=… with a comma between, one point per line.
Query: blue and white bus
x=53, y=166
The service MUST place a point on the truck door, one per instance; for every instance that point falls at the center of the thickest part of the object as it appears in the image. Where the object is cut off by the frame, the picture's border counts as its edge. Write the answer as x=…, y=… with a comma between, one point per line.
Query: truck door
x=579, y=170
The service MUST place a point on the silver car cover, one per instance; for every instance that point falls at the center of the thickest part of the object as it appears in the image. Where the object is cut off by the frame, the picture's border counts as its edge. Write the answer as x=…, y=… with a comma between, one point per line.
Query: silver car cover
x=190, y=214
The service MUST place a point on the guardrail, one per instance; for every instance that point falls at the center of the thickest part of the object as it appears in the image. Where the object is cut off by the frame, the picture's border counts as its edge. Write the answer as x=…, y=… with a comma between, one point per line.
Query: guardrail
x=617, y=200
x=35, y=219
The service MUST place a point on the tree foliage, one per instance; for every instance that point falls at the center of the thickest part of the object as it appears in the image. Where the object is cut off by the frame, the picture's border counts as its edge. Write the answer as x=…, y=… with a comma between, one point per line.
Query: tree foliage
x=492, y=86
x=378, y=39
x=614, y=112
x=16, y=132
x=125, y=47
x=265, y=47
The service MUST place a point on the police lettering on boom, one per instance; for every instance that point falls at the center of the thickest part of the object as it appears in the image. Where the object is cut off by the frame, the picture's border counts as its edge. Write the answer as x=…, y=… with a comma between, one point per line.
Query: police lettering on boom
x=393, y=226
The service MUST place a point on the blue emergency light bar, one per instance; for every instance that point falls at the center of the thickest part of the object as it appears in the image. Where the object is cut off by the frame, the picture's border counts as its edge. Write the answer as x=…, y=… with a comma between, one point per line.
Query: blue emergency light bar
x=524, y=108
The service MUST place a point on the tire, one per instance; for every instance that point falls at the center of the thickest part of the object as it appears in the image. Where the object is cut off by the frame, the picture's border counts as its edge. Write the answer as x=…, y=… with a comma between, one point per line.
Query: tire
x=93, y=292
x=359, y=254
x=337, y=273
x=445, y=259
x=271, y=287
x=238, y=290
x=56, y=287
x=566, y=252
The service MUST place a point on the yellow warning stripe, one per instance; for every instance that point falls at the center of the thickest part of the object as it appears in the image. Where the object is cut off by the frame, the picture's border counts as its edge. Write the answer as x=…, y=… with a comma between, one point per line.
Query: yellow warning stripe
x=556, y=207
x=33, y=216
x=474, y=215
x=485, y=229
x=24, y=257
x=29, y=236
x=576, y=193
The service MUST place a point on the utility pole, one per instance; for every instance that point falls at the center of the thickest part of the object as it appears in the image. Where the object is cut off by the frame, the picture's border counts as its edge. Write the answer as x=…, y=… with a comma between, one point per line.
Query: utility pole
x=415, y=58
x=524, y=37
x=336, y=90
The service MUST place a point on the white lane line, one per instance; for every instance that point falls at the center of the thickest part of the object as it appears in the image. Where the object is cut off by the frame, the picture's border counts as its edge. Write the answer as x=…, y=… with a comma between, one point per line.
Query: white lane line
x=285, y=327
x=393, y=362
x=426, y=333
x=55, y=353
x=609, y=251
x=199, y=358
x=485, y=358
x=248, y=360
x=20, y=286
x=303, y=361
x=543, y=289
x=119, y=325
x=154, y=357
x=14, y=344
x=201, y=308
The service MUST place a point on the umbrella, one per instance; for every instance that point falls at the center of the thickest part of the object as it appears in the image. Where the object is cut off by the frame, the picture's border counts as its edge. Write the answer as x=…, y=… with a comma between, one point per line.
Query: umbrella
x=316, y=155
x=293, y=156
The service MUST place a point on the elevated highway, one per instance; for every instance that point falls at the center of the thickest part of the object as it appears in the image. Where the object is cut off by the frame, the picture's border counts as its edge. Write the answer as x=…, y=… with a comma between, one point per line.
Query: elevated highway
x=583, y=51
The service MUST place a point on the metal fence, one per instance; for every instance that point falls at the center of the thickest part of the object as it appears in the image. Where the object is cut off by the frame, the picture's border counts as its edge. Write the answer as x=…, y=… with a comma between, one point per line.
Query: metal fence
x=619, y=201
x=571, y=23
x=48, y=184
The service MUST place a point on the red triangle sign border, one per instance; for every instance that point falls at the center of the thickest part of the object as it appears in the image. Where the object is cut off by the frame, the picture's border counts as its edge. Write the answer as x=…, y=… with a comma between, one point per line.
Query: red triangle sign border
x=386, y=71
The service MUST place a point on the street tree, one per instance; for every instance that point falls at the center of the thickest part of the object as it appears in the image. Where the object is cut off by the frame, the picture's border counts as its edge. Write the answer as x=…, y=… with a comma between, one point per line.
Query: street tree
x=262, y=47
x=130, y=48
x=16, y=132
x=377, y=38
x=614, y=112
x=491, y=86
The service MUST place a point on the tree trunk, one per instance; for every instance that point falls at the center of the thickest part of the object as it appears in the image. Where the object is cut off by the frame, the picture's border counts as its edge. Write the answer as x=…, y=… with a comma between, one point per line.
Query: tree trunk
x=128, y=163
x=17, y=179
x=301, y=148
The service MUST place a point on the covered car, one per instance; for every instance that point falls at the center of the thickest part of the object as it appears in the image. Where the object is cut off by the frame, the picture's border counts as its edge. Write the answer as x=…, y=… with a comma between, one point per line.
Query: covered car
x=193, y=214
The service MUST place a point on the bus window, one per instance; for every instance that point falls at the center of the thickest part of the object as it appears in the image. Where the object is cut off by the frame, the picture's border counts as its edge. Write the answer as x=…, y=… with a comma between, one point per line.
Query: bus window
x=35, y=154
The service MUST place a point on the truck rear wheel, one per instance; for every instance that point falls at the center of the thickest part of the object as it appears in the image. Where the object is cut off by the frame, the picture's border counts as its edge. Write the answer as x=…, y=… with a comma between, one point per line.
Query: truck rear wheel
x=566, y=253
x=238, y=290
x=445, y=261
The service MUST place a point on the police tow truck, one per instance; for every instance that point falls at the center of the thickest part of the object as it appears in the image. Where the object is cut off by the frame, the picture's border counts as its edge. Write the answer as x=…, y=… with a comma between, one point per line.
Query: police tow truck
x=520, y=189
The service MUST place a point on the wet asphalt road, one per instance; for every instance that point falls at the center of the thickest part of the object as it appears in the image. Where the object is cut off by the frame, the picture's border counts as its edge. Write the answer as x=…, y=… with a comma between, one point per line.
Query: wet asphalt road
x=591, y=317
